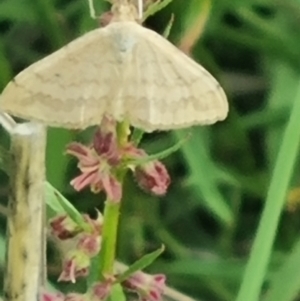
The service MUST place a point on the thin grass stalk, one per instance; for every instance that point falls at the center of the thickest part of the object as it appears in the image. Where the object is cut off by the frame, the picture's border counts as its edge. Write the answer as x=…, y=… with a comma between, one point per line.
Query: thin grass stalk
x=261, y=251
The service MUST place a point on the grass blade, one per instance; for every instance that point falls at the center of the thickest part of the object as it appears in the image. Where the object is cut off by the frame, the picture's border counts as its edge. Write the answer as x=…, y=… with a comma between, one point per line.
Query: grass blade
x=286, y=290
x=260, y=254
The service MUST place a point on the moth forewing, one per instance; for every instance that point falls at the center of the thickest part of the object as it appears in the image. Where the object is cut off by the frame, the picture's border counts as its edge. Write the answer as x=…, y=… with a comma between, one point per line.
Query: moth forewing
x=123, y=70
x=168, y=90
x=70, y=88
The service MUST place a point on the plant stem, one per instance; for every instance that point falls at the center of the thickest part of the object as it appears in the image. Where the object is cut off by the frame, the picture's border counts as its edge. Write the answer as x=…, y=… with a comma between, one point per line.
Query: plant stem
x=111, y=217
x=24, y=272
x=276, y=197
x=109, y=237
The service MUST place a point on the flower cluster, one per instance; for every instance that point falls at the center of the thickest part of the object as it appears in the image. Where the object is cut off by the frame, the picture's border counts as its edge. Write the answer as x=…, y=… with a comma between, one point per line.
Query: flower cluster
x=86, y=244
x=148, y=287
x=99, y=164
x=98, y=292
x=77, y=261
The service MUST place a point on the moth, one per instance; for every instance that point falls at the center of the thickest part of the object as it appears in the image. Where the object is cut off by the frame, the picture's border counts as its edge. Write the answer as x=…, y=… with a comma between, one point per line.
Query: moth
x=123, y=70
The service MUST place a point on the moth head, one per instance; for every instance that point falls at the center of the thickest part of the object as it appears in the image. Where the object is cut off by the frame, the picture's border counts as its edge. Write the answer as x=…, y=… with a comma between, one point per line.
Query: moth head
x=124, y=10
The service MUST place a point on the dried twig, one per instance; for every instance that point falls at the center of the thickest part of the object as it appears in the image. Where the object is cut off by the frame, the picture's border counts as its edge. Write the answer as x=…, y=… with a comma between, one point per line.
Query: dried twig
x=24, y=266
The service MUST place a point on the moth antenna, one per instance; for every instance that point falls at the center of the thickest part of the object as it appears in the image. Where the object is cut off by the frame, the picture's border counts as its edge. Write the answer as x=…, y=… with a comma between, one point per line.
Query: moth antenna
x=140, y=9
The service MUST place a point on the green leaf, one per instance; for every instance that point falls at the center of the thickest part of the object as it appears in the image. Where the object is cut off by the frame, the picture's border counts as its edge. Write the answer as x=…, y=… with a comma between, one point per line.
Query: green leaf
x=117, y=293
x=137, y=136
x=52, y=199
x=15, y=10
x=159, y=156
x=47, y=18
x=203, y=175
x=94, y=271
x=57, y=160
x=229, y=269
x=140, y=264
x=275, y=200
x=2, y=249
x=286, y=290
x=58, y=202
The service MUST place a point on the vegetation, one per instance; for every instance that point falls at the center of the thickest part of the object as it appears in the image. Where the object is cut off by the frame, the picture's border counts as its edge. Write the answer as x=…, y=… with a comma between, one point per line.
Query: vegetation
x=230, y=220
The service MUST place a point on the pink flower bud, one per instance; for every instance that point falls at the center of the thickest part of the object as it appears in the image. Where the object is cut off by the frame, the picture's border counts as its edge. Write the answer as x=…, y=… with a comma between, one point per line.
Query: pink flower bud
x=75, y=265
x=90, y=178
x=105, y=141
x=47, y=296
x=148, y=287
x=153, y=177
x=85, y=154
x=76, y=297
x=105, y=19
x=96, y=224
x=97, y=161
x=100, y=291
x=63, y=227
x=89, y=244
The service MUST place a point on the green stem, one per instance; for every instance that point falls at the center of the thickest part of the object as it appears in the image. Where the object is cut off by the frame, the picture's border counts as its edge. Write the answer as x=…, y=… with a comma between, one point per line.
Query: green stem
x=276, y=197
x=111, y=216
x=109, y=237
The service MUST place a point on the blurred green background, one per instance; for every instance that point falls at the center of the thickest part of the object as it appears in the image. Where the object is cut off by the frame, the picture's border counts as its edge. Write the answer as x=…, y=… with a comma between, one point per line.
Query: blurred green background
x=223, y=176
